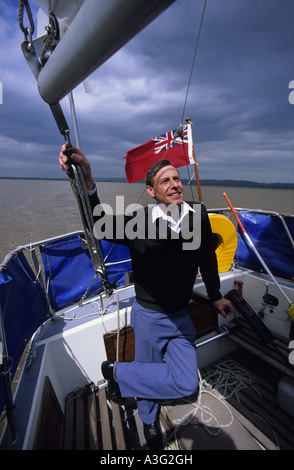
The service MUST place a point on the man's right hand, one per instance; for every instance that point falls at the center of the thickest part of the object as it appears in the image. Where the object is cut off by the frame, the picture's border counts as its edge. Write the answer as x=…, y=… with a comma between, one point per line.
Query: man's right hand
x=77, y=157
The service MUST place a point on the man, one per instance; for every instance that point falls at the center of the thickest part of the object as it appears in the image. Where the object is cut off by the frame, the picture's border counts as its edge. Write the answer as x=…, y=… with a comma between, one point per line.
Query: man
x=164, y=268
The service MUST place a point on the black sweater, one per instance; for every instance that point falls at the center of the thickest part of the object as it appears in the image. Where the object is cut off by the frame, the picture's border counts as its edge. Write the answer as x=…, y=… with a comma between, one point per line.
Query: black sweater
x=164, y=273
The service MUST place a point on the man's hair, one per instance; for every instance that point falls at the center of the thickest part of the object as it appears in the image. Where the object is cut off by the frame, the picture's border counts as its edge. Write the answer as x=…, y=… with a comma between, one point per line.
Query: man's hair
x=151, y=172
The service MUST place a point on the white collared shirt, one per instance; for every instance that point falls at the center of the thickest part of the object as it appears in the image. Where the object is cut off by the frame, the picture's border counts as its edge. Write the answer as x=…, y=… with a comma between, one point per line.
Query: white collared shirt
x=172, y=223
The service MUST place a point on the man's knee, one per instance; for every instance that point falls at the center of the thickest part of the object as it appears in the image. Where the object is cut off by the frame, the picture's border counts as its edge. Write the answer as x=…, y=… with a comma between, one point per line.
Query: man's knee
x=193, y=385
x=189, y=386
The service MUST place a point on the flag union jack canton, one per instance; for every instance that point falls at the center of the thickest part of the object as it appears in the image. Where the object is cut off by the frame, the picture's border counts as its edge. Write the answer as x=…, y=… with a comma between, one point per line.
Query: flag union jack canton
x=173, y=146
x=170, y=139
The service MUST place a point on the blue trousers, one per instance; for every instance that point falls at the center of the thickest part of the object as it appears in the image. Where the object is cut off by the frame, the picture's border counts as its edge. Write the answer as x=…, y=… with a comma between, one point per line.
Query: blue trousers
x=165, y=365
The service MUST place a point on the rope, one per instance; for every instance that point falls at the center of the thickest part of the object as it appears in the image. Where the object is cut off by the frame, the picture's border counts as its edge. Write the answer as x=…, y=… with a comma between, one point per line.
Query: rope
x=31, y=29
x=118, y=326
x=206, y=417
x=216, y=383
x=229, y=374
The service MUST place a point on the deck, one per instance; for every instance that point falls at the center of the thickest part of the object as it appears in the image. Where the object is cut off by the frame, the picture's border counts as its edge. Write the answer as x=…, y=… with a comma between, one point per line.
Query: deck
x=226, y=417
x=250, y=420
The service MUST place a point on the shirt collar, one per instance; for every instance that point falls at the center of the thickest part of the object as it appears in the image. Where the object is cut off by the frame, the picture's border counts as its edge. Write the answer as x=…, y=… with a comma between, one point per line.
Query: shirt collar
x=158, y=212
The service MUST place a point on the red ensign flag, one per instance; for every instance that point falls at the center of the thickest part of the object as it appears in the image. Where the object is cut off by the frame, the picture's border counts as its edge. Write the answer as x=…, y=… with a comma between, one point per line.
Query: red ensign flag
x=177, y=149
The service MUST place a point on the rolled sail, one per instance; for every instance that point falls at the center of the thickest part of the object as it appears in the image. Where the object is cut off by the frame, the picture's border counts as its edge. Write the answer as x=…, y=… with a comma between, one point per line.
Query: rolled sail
x=96, y=32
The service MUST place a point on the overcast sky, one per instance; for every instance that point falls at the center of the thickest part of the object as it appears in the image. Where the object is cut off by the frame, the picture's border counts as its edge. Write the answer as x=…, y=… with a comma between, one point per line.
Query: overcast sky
x=238, y=100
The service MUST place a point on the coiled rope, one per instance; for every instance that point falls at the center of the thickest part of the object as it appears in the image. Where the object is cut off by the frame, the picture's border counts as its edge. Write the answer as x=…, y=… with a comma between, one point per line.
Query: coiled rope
x=216, y=382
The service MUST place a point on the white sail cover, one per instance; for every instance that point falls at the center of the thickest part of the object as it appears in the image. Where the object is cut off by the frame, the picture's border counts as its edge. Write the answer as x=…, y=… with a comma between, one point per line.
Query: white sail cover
x=91, y=32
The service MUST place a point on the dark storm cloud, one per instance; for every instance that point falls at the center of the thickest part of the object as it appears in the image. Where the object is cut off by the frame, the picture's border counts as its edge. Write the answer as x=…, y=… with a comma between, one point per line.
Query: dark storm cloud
x=238, y=98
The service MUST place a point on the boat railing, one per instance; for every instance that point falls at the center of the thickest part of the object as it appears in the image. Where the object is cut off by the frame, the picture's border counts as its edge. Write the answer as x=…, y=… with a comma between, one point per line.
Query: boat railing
x=31, y=248
x=270, y=234
x=33, y=254
x=35, y=261
x=280, y=216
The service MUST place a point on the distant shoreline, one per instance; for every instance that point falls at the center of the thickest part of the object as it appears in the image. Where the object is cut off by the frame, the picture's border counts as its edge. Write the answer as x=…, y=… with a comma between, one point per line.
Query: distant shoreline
x=204, y=182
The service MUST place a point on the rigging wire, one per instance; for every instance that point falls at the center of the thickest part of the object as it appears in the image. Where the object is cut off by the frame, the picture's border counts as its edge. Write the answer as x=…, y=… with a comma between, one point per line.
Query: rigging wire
x=193, y=61
x=187, y=93
x=179, y=130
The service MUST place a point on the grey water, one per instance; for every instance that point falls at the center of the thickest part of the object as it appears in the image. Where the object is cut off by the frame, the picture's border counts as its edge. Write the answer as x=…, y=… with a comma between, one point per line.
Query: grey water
x=34, y=210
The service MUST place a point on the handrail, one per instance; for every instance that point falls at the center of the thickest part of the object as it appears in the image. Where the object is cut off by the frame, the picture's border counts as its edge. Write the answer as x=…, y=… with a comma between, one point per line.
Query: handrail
x=265, y=212
x=29, y=246
x=262, y=211
x=37, y=264
x=280, y=217
x=80, y=232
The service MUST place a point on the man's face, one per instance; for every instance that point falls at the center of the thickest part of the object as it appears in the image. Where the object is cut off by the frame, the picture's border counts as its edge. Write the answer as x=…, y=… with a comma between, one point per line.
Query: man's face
x=167, y=188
